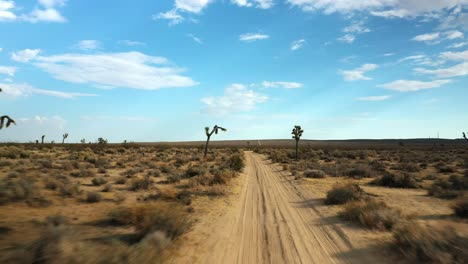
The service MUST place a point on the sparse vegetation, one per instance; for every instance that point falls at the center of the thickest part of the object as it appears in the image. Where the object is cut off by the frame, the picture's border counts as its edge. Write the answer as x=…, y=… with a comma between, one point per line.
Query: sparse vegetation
x=343, y=193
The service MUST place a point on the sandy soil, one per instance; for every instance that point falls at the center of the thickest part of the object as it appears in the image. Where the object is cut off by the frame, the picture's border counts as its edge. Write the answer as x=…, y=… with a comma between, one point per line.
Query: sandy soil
x=270, y=220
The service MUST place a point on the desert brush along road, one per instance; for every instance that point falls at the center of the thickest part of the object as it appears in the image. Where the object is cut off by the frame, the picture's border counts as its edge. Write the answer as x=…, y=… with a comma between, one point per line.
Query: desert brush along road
x=268, y=222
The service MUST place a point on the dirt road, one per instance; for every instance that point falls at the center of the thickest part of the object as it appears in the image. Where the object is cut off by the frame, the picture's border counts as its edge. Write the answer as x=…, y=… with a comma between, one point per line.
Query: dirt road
x=269, y=222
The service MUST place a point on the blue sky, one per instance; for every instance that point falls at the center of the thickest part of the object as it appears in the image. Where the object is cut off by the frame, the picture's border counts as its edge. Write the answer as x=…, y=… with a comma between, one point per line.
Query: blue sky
x=163, y=70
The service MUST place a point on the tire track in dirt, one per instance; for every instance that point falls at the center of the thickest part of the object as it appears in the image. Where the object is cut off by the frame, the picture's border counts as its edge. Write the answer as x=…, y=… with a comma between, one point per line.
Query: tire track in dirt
x=267, y=224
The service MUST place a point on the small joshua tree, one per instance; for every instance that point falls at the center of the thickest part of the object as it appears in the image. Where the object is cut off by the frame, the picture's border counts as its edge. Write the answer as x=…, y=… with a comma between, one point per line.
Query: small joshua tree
x=42, y=139
x=464, y=136
x=6, y=120
x=297, y=134
x=64, y=137
x=102, y=141
x=83, y=141
x=209, y=134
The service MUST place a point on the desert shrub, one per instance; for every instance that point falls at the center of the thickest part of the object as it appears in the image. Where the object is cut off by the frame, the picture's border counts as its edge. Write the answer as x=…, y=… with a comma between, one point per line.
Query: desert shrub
x=215, y=190
x=235, y=162
x=442, y=168
x=372, y=214
x=121, y=180
x=342, y=193
x=93, y=197
x=396, y=181
x=45, y=163
x=22, y=188
x=377, y=165
x=430, y=244
x=407, y=167
x=131, y=172
x=154, y=173
x=69, y=189
x=359, y=172
x=314, y=173
x=193, y=171
x=174, y=178
x=98, y=181
x=448, y=188
x=107, y=188
x=83, y=173
x=170, y=218
x=222, y=177
x=13, y=152
x=460, y=207
x=141, y=183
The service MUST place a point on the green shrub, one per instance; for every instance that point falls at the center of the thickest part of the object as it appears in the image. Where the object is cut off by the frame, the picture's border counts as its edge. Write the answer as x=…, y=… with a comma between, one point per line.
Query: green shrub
x=314, y=174
x=461, y=207
x=93, y=197
x=396, y=181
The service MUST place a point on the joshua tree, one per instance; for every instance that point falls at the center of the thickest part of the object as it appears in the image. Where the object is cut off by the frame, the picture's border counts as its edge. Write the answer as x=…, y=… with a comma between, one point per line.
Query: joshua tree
x=464, y=136
x=64, y=137
x=37, y=141
x=6, y=120
x=208, y=135
x=297, y=134
x=42, y=139
x=102, y=141
x=83, y=141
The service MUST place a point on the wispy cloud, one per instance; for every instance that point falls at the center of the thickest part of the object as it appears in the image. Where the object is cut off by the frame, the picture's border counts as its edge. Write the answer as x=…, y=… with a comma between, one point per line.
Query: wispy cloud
x=8, y=70
x=251, y=37
x=297, y=44
x=358, y=73
x=195, y=38
x=412, y=86
x=18, y=90
x=127, y=69
x=285, y=85
x=353, y=30
x=172, y=15
x=88, y=44
x=25, y=55
x=236, y=98
x=131, y=43
x=262, y=4
x=375, y=98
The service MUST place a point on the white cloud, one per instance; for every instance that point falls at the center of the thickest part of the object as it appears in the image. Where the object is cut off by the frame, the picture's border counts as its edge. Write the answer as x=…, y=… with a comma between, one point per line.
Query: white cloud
x=453, y=34
x=6, y=13
x=8, y=70
x=262, y=4
x=88, y=44
x=375, y=98
x=382, y=8
x=353, y=30
x=457, y=45
x=412, y=86
x=1, y=49
x=17, y=90
x=131, y=43
x=250, y=37
x=455, y=56
x=395, y=13
x=422, y=59
x=358, y=73
x=429, y=37
x=297, y=44
x=195, y=38
x=128, y=69
x=172, y=15
x=454, y=71
x=25, y=55
x=285, y=85
x=236, y=98
x=193, y=6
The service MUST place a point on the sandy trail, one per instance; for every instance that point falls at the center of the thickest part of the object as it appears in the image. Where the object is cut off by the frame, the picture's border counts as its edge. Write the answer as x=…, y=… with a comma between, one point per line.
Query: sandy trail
x=270, y=222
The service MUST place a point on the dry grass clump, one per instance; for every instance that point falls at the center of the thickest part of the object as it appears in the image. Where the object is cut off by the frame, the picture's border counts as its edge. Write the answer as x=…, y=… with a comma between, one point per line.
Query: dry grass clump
x=98, y=181
x=343, y=193
x=391, y=180
x=143, y=183
x=425, y=244
x=318, y=174
x=372, y=214
x=460, y=207
x=449, y=188
x=170, y=218
x=93, y=197
x=21, y=188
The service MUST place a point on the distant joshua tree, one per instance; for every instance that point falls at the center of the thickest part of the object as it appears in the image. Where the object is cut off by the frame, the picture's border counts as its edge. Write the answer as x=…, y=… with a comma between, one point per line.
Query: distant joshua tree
x=6, y=120
x=83, y=141
x=464, y=136
x=37, y=141
x=209, y=134
x=52, y=142
x=297, y=134
x=64, y=137
x=42, y=139
x=102, y=141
